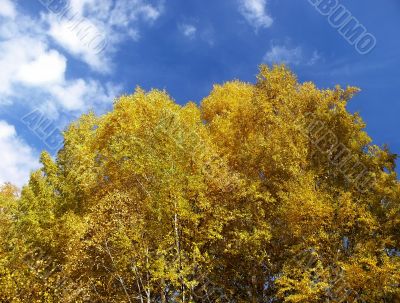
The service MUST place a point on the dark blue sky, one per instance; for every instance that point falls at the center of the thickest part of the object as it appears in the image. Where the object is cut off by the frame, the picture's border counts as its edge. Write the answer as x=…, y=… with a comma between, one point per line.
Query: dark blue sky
x=184, y=47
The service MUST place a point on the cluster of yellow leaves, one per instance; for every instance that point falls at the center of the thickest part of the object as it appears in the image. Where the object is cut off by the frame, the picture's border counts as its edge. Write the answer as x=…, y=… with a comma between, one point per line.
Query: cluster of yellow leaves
x=229, y=201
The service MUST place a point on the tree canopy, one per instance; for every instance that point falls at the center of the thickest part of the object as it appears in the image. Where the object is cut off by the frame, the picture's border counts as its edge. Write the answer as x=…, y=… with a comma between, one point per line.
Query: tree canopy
x=265, y=192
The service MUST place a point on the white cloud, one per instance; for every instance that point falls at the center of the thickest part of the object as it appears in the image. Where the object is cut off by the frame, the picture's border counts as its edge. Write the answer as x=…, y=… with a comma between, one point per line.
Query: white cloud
x=27, y=71
x=83, y=40
x=71, y=96
x=255, y=12
x=48, y=68
x=33, y=75
x=80, y=95
x=92, y=32
x=7, y=9
x=14, y=53
x=279, y=54
x=31, y=71
x=89, y=31
x=188, y=30
x=17, y=158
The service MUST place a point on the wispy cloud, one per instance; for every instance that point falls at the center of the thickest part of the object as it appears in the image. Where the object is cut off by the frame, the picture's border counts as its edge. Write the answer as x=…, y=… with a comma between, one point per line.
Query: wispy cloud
x=256, y=13
x=279, y=54
x=188, y=30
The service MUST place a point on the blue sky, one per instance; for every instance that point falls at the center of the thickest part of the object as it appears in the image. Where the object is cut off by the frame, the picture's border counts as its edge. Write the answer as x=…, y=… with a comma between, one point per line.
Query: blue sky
x=59, y=61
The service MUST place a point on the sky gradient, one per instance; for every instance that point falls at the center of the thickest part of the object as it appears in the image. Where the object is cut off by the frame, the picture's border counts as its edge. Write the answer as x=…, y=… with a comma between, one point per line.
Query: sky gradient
x=59, y=59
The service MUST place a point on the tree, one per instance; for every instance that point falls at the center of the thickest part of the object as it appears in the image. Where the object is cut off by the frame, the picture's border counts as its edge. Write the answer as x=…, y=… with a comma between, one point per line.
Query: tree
x=266, y=192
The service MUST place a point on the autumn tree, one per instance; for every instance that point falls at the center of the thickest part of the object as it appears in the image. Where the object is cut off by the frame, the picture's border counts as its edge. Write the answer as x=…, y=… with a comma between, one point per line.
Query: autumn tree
x=265, y=192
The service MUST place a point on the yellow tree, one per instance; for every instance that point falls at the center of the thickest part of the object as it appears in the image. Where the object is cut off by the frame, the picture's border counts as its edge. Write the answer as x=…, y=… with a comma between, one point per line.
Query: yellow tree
x=326, y=192
x=8, y=200
x=265, y=192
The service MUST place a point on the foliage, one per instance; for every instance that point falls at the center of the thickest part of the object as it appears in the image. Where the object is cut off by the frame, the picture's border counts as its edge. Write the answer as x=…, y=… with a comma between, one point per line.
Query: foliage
x=256, y=195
